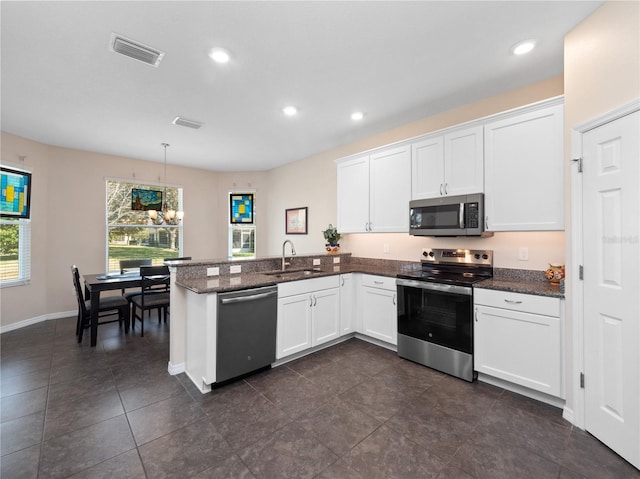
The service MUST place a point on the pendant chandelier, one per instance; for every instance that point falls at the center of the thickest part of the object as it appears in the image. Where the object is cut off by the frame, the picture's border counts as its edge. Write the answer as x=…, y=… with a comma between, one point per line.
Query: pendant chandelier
x=168, y=215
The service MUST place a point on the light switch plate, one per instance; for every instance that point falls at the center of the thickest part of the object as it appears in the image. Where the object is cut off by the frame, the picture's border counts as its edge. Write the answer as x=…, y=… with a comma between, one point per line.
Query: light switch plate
x=523, y=253
x=236, y=268
x=336, y=260
x=316, y=261
x=213, y=271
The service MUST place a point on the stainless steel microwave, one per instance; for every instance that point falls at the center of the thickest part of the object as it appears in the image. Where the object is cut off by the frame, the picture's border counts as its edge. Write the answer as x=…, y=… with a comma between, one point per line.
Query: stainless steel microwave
x=448, y=216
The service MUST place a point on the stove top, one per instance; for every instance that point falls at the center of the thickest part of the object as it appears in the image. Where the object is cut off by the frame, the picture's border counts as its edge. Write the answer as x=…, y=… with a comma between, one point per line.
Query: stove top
x=453, y=266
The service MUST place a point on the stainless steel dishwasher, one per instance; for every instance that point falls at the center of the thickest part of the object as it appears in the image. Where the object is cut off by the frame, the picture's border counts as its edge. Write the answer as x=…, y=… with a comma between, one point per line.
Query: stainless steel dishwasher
x=246, y=339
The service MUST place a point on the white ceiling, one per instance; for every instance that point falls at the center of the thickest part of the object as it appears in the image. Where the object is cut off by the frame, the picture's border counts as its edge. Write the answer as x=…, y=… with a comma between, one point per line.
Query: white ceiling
x=396, y=61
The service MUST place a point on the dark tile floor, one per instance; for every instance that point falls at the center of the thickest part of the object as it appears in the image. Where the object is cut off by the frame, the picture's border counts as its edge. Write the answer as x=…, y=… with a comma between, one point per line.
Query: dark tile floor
x=351, y=411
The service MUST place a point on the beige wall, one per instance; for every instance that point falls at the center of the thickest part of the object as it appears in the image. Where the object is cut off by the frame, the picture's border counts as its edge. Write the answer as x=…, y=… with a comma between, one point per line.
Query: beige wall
x=68, y=222
x=312, y=182
x=601, y=72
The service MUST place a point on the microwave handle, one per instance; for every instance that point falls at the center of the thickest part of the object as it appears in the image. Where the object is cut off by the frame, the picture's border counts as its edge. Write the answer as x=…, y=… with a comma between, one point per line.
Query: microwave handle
x=461, y=216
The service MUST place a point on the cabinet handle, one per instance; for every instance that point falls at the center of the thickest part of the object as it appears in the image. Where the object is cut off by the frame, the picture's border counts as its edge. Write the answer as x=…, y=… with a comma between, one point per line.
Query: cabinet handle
x=370, y=226
x=379, y=282
x=394, y=299
x=311, y=301
x=341, y=281
x=445, y=189
x=440, y=189
x=366, y=226
x=486, y=222
x=511, y=301
x=475, y=314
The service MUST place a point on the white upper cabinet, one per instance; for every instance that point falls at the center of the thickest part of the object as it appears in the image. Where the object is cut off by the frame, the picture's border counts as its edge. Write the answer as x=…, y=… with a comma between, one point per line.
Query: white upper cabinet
x=524, y=179
x=353, y=195
x=450, y=164
x=390, y=190
x=374, y=192
x=427, y=168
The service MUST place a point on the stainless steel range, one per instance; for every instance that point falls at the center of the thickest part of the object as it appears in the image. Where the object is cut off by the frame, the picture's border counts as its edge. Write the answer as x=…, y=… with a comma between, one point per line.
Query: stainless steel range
x=435, y=309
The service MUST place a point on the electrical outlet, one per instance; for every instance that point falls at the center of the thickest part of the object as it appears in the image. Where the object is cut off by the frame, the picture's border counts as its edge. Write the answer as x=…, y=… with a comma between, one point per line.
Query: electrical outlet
x=213, y=271
x=385, y=248
x=316, y=261
x=336, y=260
x=236, y=268
x=523, y=253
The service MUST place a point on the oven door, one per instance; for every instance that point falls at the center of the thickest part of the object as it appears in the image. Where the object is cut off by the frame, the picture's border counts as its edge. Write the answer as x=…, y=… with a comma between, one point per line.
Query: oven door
x=437, y=313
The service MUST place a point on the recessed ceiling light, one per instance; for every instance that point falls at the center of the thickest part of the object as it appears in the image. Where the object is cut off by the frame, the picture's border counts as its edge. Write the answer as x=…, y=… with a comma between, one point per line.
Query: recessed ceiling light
x=219, y=55
x=290, y=110
x=357, y=116
x=524, y=47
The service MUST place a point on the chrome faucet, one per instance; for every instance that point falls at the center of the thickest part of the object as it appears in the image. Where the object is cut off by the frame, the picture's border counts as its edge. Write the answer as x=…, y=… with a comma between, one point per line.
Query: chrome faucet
x=293, y=252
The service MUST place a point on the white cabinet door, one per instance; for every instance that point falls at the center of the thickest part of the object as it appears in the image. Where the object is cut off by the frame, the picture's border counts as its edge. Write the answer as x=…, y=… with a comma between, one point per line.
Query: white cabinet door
x=347, y=310
x=464, y=162
x=379, y=315
x=390, y=190
x=353, y=195
x=447, y=165
x=524, y=171
x=325, y=316
x=519, y=347
x=427, y=168
x=294, y=325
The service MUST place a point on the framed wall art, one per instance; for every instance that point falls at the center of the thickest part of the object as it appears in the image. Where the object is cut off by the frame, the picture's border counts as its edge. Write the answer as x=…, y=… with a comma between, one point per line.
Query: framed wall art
x=15, y=193
x=241, y=206
x=145, y=200
x=296, y=221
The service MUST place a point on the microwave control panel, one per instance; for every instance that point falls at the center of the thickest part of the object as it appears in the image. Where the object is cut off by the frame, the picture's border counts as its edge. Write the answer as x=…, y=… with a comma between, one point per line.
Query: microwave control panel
x=472, y=216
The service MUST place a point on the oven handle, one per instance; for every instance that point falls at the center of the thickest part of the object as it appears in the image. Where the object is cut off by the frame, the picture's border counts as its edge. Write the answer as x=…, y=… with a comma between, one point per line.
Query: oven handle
x=445, y=288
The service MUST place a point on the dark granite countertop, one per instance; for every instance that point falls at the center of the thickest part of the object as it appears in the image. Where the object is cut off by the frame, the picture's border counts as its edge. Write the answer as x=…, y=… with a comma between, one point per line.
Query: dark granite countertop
x=521, y=281
x=518, y=281
x=257, y=279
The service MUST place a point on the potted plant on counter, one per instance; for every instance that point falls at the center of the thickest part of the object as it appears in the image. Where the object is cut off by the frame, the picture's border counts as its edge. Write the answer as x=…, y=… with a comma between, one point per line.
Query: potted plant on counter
x=332, y=237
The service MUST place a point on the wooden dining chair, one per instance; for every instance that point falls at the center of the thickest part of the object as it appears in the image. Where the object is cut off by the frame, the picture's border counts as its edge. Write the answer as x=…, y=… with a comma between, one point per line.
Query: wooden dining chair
x=108, y=306
x=154, y=294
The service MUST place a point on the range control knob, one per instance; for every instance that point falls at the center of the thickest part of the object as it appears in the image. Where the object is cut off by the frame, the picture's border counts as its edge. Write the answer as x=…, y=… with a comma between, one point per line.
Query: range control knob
x=431, y=254
x=476, y=256
x=485, y=256
x=424, y=253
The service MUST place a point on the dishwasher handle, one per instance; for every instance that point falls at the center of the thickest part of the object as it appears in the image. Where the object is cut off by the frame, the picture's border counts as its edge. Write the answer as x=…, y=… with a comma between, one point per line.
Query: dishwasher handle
x=244, y=299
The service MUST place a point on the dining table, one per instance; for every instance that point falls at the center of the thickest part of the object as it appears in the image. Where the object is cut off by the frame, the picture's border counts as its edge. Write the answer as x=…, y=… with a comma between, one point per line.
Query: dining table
x=95, y=284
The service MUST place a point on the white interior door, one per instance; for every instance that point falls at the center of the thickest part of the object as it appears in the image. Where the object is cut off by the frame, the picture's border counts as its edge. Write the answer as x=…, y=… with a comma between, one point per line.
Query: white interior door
x=611, y=217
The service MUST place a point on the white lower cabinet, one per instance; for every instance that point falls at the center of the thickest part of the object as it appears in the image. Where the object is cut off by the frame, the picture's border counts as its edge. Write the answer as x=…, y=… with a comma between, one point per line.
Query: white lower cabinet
x=347, y=310
x=308, y=314
x=518, y=338
x=377, y=301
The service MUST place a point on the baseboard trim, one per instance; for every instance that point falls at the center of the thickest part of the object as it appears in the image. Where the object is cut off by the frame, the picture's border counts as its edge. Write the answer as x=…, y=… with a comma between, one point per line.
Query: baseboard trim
x=38, y=319
x=175, y=368
x=568, y=414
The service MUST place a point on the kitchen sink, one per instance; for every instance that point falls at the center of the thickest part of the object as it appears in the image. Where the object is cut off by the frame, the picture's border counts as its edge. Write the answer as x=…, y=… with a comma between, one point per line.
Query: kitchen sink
x=293, y=272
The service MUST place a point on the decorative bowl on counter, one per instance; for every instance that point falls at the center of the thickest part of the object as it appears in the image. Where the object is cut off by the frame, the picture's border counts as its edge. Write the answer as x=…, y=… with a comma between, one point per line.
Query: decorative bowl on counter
x=555, y=273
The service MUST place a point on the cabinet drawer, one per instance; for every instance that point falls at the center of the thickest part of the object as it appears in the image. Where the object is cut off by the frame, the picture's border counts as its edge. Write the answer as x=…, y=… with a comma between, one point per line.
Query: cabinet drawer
x=527, y=303
x=307, y=285
x=382, y=282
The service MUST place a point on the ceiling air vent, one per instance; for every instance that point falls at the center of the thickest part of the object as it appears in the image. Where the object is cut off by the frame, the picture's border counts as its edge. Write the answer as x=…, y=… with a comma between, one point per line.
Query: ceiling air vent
x=188, y=123
x=135, y=50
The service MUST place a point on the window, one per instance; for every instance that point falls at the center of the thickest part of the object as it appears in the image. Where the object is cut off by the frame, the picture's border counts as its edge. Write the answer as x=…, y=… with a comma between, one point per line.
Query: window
x=15, y=251
x=131, y=234
x=242, y=237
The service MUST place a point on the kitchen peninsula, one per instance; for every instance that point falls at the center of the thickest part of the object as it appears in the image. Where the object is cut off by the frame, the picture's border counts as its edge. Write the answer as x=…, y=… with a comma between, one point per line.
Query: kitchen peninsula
x=318, y=290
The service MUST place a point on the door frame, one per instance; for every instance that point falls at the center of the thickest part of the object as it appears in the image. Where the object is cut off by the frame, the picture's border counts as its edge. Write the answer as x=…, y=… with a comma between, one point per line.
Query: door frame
x=577, y=415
